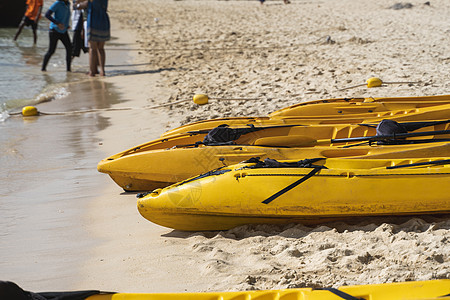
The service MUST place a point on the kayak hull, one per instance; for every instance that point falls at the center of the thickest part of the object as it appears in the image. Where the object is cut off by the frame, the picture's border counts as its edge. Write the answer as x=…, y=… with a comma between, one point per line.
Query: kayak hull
x=164, y=161
x=148, y=170
x=333, y=111
x=357, y=106
x=347, y=188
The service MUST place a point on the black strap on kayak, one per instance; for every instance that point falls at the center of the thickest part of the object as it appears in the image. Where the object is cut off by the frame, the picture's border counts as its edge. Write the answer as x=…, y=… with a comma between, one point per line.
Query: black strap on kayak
x=410, y=142
x=218, y=171
x=341, y=294
x=436, y=162
x=411, y=126
x=291, y=186
x=389, y=137
x=401, y=142
x=307, y=163
x=272, y=163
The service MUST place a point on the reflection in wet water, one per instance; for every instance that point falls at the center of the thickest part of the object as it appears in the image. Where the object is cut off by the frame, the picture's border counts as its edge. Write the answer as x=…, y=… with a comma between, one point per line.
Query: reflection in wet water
x=48, y=174
x=48, y=163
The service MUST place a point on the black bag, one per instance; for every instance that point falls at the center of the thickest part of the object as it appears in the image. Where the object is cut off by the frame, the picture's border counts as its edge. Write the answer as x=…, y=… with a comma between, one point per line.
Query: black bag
x=390, y=127
x=223, y=135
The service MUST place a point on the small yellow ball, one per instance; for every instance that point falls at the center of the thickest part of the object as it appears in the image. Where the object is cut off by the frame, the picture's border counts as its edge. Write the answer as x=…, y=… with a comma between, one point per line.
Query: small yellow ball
x=374, y=82
x=201, y=99
x=29, y=111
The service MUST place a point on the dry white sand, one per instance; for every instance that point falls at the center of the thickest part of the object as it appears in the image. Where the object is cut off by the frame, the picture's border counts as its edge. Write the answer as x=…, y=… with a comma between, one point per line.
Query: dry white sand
x=284, y=54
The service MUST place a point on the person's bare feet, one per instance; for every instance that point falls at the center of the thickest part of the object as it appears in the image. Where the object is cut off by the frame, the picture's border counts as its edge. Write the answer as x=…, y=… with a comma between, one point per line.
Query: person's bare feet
x=93, y=74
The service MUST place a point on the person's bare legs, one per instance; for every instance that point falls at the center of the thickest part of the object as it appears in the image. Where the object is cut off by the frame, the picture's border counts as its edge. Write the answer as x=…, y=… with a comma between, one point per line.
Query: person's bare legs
x=93, y=58
x=19, y=30
x=34, y=36
x=101, y=57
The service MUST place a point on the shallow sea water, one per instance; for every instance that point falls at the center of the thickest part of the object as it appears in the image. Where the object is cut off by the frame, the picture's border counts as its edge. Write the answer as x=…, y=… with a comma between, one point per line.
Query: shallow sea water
x=48, y=173
x=21, y=80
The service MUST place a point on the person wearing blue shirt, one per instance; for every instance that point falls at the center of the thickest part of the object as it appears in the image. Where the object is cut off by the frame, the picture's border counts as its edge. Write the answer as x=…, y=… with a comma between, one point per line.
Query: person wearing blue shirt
x=59, y=16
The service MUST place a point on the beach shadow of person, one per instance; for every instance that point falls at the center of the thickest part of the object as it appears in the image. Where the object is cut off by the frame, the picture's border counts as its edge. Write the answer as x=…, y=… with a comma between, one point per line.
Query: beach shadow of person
x=129, y=65
x=118, y=72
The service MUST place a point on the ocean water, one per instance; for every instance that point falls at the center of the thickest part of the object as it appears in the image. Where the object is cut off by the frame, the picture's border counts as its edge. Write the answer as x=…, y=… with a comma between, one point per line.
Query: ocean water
x=21, y=80
x=23, y=83
x=48, y=174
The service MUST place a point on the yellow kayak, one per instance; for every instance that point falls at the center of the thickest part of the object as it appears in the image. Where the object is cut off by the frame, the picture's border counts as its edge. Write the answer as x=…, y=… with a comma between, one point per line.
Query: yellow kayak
x=414, y=290
x=168, y=160
x=146, y=171
x=336, y=111
x=345, y=107
x=433, y=98
x=436, y=112
x=259, y=135
x=309, y=191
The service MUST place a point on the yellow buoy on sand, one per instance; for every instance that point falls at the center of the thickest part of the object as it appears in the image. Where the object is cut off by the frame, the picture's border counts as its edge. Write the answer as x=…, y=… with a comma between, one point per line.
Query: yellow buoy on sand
x=374, y=82
x=377, y=82
x=29, y=111
x=200, y=99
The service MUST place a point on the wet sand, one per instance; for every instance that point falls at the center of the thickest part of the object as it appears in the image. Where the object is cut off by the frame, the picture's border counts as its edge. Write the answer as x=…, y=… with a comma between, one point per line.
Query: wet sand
x=81, y=231
x=49, y=177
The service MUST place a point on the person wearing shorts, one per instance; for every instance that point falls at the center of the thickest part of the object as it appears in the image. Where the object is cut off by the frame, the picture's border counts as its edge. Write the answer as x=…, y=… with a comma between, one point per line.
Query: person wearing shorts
x=31, y=17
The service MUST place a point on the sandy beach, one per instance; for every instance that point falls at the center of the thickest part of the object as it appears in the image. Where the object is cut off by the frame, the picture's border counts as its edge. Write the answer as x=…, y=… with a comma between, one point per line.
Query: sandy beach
x=83, y=232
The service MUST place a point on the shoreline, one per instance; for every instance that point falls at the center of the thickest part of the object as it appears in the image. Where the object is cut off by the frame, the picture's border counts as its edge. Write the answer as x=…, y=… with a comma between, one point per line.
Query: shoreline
x=51, y=204
x=147, y=241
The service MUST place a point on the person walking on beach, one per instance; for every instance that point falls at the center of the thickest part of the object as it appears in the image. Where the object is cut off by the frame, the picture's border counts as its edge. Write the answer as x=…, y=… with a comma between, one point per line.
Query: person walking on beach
x=58, y=31
x=78, y=31
x=31, y=18
x=98, y=32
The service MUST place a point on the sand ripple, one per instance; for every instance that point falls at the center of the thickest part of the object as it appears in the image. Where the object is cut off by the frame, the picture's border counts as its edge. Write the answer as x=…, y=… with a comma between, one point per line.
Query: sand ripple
x=270, y=257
